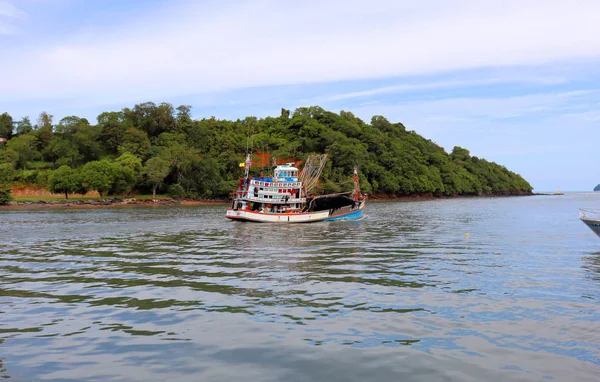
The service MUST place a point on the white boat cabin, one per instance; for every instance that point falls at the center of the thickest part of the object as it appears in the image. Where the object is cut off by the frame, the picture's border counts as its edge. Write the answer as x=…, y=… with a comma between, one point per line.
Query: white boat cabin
x=281, y=193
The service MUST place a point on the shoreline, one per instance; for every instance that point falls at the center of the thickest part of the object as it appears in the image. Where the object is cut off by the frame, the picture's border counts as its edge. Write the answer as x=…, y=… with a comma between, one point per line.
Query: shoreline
x=162, y=202
x=107, y=203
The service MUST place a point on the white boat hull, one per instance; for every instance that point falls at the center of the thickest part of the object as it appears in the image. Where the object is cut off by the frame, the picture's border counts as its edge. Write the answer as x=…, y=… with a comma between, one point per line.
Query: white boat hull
x=590, y=218
x=305, y=217
x=594, y=225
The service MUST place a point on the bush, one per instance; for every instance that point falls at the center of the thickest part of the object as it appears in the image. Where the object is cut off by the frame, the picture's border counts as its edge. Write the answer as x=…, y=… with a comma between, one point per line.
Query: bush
x=40, y=165
x=176, y=191
x=5, y=194
x=6, y=173
x=32, y=177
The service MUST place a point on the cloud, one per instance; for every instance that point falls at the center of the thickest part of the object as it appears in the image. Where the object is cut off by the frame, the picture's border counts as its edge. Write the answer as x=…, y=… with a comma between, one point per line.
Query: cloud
x=495, y=128
x=593, y=115
x=545, y=146
x=190, y=48
x=440, y=85
x=482, y=108
x=8, y=12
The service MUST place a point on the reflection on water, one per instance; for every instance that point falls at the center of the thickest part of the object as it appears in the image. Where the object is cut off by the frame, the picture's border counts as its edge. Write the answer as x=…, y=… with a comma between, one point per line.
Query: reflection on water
x=181, y=293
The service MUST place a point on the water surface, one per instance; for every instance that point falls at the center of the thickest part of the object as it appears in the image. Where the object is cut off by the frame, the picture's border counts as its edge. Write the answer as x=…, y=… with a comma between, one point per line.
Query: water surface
x=181, y=293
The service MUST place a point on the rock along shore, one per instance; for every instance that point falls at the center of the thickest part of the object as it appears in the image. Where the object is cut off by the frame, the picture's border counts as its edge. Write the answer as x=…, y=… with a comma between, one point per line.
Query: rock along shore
x=111, y=202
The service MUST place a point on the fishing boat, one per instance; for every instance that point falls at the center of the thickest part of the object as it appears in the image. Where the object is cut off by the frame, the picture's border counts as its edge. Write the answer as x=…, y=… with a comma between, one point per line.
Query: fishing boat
x=590, y=218
x=286, y=196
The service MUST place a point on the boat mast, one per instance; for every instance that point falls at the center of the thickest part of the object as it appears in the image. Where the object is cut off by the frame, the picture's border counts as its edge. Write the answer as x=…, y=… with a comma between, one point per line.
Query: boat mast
x=247, y=163
x=247, y=168
x=356, y=184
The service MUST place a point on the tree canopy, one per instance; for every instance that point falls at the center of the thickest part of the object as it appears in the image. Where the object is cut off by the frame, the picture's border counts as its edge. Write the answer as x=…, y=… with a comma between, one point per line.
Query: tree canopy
x=64, y=180
x=149, y=147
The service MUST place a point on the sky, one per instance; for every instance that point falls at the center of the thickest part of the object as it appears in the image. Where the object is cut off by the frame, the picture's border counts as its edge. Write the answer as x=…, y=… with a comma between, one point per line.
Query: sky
x=515, y=82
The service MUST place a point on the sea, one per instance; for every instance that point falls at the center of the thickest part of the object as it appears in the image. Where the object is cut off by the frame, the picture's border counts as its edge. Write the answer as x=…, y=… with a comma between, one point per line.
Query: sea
x=469, y=289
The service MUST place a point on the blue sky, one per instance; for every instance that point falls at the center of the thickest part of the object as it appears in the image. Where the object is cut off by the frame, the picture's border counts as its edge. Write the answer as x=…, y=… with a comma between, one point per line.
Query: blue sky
x=516, y=82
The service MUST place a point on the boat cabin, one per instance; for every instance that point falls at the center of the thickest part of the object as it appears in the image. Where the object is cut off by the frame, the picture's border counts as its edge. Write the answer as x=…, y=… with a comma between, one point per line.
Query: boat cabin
x=279, y=194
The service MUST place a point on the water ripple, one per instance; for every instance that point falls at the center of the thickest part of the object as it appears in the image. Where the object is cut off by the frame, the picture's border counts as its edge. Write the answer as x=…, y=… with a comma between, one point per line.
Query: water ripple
x=180, y=293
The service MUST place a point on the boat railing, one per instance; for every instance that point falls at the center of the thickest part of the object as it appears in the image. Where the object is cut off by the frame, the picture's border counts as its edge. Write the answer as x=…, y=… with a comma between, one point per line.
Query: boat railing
x=276, y=200
x=589, y=214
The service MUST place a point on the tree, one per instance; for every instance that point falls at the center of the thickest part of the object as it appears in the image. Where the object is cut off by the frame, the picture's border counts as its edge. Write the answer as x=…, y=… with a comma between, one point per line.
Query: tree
x=10, y=156
x=25, y=146
x=6, y=173
x=99, y=176
x=5, y=194
x=82, y=135
x=155, y=170
x=134, y=141
x=44, y=121
x=184, y=117
x=63, y=151
x=128, y=170
x=6, y=126
x=112, y=130
x=24, y=126
x=203, y=155
x=64, y=179
x=44, y=131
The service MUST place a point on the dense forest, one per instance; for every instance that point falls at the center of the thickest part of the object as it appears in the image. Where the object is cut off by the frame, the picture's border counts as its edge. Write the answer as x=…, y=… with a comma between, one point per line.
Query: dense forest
x=160, y=148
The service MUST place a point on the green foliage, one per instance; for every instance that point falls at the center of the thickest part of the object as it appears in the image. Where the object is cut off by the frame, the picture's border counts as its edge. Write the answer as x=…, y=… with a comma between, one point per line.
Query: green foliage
x=155, y=145
x=34, y=178
x=25, y=148
x=64, y=180
x=176, y=191
x=155, y=171
x=6, y=126
x=6, y=173
x=135, y=142
x=128, y=173
x=5, y=194
x=99, y=176
x=24, y=126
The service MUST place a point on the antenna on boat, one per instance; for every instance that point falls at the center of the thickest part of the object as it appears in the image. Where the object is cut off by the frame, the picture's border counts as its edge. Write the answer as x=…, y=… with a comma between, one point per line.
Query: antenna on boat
x=312, y=171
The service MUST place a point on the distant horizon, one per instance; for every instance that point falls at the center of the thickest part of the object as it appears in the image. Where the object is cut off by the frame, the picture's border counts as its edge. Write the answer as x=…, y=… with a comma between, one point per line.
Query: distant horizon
x=566, y=191
x=516, y=83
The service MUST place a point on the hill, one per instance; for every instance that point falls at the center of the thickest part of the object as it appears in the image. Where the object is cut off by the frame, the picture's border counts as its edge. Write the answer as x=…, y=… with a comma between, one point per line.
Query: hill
x=161, y=148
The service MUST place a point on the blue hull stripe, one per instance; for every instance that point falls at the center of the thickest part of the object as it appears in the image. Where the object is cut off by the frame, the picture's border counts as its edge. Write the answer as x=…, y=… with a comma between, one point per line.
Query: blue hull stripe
x=350, y=216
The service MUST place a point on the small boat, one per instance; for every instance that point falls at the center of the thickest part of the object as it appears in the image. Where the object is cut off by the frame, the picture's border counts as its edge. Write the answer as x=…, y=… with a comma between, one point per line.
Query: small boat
x=559, y=192
x=286, y=196
x=591, y=218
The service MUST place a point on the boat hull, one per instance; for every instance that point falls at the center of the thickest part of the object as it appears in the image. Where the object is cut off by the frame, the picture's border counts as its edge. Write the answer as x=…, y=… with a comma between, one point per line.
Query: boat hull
x=594, y=225
x=304, y=217
x=590, y=218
